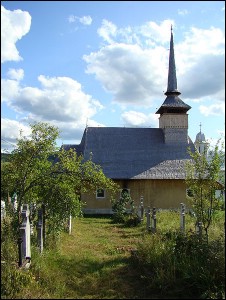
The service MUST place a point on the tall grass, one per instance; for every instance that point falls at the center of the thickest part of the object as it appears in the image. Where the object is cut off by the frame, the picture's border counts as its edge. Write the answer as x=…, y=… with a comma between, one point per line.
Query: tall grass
x=184, y=264
x=102, y=260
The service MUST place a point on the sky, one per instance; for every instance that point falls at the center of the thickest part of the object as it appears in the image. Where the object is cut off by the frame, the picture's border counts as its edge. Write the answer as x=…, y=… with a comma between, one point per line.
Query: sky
x=105, y=63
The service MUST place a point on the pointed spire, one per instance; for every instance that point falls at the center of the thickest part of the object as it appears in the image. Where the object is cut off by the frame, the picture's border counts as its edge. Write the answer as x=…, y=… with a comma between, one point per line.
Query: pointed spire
x=172, y=77
x=172, y=102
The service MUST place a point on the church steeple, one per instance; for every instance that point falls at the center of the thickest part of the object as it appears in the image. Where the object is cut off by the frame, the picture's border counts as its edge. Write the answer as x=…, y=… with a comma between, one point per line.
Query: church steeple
x=173, y=112
x=172, y=103
x=172, y=77
x=200, y=142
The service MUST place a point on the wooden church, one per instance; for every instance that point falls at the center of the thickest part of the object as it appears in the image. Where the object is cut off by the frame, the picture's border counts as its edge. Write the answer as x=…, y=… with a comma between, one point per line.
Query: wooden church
x=148, y=162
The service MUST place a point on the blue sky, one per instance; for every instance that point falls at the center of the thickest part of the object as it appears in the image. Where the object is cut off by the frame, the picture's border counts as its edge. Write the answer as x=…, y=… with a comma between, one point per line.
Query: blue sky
x=105, y=63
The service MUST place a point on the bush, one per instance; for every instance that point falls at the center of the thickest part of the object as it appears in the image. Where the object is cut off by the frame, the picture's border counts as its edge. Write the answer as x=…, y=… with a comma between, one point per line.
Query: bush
x=124, y=210
x=132, y=220
x=183, y=265
x=13, y=279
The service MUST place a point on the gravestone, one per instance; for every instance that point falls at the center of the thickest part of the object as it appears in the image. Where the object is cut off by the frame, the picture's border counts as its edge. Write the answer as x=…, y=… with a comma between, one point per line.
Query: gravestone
x=141, y=216
x=182, y=217
x=15, y=204
x=153, y=218
x=25, y=232
x=40, y=230
x=148, y=215
x=199, y=228
x=69, y=224
x=32, y=216
x=3, y=210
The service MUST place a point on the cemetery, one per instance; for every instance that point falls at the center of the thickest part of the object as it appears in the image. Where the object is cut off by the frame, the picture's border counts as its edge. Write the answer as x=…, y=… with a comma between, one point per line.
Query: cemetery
x=131, y=247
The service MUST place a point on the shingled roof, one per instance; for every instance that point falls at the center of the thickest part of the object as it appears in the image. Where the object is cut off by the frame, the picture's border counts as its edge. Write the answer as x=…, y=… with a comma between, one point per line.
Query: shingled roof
x=134, y=153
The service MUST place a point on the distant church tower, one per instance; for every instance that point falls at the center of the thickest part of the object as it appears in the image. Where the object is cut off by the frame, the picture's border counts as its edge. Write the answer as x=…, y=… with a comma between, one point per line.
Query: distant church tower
x=173, y=112
x=200, y=142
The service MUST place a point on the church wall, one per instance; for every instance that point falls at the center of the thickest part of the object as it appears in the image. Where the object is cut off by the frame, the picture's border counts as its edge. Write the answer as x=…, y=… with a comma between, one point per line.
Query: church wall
x=165, y=194
x=170, y=120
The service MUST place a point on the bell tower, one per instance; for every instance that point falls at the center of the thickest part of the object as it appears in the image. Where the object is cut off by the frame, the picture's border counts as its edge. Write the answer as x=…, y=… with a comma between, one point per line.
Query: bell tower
x=200, y=143
x=173, y=112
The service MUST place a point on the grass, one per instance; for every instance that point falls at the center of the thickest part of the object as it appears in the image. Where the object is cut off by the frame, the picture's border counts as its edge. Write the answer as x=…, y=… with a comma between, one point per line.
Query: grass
x=94, y=262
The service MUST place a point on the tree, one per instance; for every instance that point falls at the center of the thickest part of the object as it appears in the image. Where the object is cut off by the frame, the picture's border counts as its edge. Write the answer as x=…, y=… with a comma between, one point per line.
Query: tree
x=203, y=178
x=124, y=210
x=41, y=174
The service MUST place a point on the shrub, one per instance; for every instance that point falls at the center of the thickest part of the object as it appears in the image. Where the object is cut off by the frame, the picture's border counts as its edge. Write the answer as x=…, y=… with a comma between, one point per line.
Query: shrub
x=13, y=279
x=183, y=264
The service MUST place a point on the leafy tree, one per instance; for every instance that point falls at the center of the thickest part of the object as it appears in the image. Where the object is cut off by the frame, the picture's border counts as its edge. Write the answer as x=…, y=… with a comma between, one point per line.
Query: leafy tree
x=203, y=178
x=41, y=174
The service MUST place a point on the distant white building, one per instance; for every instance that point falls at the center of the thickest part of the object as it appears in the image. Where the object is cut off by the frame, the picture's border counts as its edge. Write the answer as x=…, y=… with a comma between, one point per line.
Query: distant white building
x=200, y=142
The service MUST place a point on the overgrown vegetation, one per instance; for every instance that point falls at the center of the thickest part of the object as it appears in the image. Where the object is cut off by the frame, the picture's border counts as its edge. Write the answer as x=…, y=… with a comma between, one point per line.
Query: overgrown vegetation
x=203, y=178
x=183, y=266
x=124, y=210
x=13, y=279
x=102, y=260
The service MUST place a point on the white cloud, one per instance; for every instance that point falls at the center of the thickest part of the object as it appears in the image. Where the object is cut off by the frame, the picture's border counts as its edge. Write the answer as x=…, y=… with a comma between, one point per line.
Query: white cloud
x=60, y=100
x=157, y=33
x=149, y=33
x=10, y=131
x=133, y=66
x=71, y=19
x=9, y=90
x=213, y=109
x=14, y=25
x=138, y=119
x=206, y=77
x=107, y=31
x=17, y=74
x=85, y=20
x=182, y=12
x=132, y=74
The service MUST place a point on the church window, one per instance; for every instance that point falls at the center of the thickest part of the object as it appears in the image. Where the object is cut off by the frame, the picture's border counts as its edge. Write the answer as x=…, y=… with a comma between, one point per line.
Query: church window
x=100, y=193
